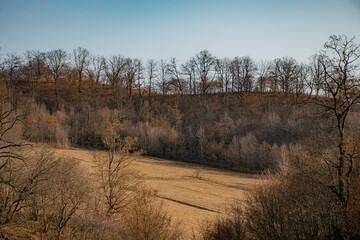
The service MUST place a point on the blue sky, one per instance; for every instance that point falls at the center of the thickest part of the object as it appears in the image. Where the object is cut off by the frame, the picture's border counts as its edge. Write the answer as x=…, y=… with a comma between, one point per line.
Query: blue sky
x=262, y=29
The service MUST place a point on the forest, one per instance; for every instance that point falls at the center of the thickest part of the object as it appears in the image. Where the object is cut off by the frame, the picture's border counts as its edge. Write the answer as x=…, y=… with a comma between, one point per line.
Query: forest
x=295, y=124
x=239, y=111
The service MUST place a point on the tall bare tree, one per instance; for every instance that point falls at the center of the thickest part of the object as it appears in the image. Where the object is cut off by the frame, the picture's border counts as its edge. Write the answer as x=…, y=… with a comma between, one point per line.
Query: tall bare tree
x=243, y=71
x=57, y=62
x=236, y=84
x=163, y=76
x=90, y=93
x=139, y=75
x=316, y=74
x=222, y=69
x=114, y=70
x=96, y=68
x=284, y=73
x=248, y=69
x=175, y=76
x=151, y=68
x=301, y=79
x=130, y=75
x=82, y=61
x=263, y=76
x=205, y=63
x=189, y=69
x=12, y=65
x=36, y=65
x=341, y=87
x=117, y=181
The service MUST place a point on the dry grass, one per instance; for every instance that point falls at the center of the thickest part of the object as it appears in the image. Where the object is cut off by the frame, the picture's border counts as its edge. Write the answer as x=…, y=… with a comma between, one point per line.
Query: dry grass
x=189, y=199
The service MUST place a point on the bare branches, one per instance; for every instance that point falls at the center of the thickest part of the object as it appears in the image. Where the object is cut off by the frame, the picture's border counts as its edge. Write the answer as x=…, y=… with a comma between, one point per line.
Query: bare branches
x=205, y=62
x=82, y=62
x=117, y=181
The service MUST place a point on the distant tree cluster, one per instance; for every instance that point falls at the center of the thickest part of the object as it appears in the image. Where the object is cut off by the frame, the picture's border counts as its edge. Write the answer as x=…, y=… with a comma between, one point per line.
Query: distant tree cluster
x=201, y=74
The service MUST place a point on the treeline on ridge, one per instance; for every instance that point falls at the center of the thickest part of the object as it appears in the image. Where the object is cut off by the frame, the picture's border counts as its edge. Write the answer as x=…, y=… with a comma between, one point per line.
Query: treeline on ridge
x=232, y=113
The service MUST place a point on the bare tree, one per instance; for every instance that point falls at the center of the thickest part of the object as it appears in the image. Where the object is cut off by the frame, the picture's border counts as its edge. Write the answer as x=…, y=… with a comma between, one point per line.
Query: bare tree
x=21, y=171
x=302, y=79
x=114, y=69
x=222, y=69
x=284, y=74
x=36, y=64
x=163, y=76
x=189, y=69
x=175, y=76
x=248, y=69
x=341, y=87
x=151, y=68
x=130, y=75
x=205, y=63
x=235, y=70
x=293, y=204
x=139, y=75
x=243, y=71
x=96, y=68
x=82, y=61
x=117, y=181
x=57, y=62
x=316, y=75
x=12, y=65
x=90, y=93
x=10, y=159
x=59, y=196
x=263, y=79
x=9, y=142
x=20, y=181
x=202, y=141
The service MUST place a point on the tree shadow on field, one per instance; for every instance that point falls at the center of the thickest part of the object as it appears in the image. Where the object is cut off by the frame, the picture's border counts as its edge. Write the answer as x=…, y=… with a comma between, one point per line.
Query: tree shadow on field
x=237, y=186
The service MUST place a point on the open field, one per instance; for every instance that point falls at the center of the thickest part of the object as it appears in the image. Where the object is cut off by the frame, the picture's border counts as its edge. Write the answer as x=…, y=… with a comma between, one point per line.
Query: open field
x=189, y=199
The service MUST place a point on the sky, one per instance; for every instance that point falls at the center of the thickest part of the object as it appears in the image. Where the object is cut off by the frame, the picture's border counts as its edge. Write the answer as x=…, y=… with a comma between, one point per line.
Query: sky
x=160, y=29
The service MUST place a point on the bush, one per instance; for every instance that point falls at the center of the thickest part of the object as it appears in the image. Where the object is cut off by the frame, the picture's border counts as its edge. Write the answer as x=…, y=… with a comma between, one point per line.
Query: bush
x=230, y=227
x=146, y=218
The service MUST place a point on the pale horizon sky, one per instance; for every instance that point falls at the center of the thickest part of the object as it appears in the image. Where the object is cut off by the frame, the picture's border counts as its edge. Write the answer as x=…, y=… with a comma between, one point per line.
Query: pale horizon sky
x=160, y=29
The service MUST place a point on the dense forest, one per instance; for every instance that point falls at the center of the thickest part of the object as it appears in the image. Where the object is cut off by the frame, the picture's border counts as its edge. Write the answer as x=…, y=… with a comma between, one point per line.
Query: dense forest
x=298, y=120
x=232, y=113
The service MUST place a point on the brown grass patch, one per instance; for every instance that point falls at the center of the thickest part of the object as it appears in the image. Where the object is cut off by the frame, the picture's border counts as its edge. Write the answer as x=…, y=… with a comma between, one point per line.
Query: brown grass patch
x=188, y=198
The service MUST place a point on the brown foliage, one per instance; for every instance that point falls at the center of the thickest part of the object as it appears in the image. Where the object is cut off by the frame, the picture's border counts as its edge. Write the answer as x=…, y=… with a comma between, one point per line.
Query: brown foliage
x=230, y=227
x=147, y=219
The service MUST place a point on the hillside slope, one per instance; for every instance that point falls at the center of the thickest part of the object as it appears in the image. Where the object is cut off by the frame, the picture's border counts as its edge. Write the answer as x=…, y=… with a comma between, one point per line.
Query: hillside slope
x=189, y=199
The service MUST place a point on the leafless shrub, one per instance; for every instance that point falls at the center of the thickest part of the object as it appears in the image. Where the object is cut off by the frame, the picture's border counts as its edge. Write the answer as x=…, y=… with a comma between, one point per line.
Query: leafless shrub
x=229, y=227
x=158, y=140
x=36, y=127
x=56, y=200
x=249, y=150
x=146, y=218
x=62, y=129
x=62, y=138
x=20, y=179
x=202, y=141
x=44, y=127
x=296, y=203
x=271, y=120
